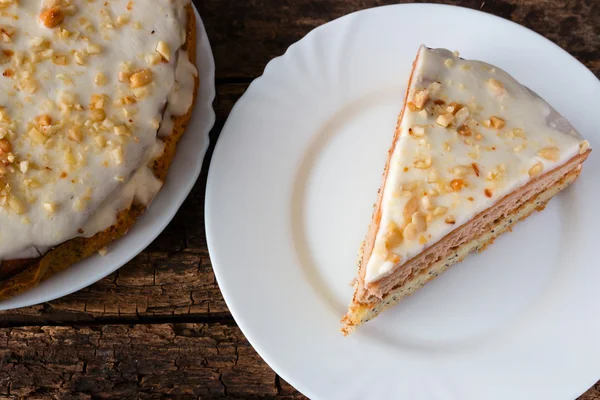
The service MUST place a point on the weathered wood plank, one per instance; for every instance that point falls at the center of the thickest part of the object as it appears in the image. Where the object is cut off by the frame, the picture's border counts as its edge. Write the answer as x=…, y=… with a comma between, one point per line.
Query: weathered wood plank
x=131, y=362
x=245, y=35
x=152, y=287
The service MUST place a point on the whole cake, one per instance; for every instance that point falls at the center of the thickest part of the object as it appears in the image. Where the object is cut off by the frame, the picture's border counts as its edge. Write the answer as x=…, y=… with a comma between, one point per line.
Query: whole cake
x=94, y=96
x=474, y=152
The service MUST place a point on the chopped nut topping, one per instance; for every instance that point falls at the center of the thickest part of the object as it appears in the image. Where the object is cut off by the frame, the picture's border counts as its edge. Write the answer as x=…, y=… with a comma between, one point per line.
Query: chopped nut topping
x=50, y=207
x=410, y=208
x=117, y=155
x=24, y=166
x=550, y=153
x=422, y=162
x=140, y=78
x=497, y=123
x=439, y=211
x=94, y=49
x=16, y=205
x=461, y=116
x=410, y=231
x=536, y=170
x=495, y=86
x=37, y=136
x=123, y=76
x=420, y=99
x=97, y=114
x=458, y=184
x=43, y=120
x=75, y=134
x=454, y=107
x=393, y=236
x=100, y=79
x=475, y=168
x=418, y=219
x=426, y=203
x=450, y=220
x=52, y=17
x=163, y=49
x=445, y=120
x=449, y=63
x=461, y=170
x=5, y=146
x=121, y=130
x=464, y=130
x=488, y=192
x=417, y=131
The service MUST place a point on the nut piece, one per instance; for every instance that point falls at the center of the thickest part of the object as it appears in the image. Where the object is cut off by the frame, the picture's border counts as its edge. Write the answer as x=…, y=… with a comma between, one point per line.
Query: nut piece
x=461, y=170
x=426, y=203
x=497, y=123
x=75, y=134
x=393, y=236
x=420, y=99
x=550, y=153
x=43, y=120
x=163, y=49
x=16, y=205
x=140, y=78
x=445, y=120
x=440, y=211
x=52, y=17
x=495, y=86
x=536, y=170
x=454, y=107
x=5, y=146
x=450, y=220
x=100, y=79
x=418, y=219
x=410, y=232
x=50, y=207
x=410, y=208
x=422, y=162
x=97, y=115
x=475, y=168
x=37, y=136
x=458, y=184
x=584, y=146
x=464, y=130
x=417, y=130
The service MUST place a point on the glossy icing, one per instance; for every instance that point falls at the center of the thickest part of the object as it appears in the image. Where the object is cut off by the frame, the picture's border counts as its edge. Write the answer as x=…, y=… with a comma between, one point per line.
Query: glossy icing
x=85, y=91
x=470, y=135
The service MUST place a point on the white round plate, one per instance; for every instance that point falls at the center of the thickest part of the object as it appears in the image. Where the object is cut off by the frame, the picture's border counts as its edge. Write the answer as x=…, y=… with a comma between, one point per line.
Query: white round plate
x=289, y=200
x=183, y=173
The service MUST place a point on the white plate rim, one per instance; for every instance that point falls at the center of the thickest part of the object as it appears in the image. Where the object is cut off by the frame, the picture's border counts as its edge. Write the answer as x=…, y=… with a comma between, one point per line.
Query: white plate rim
x=197, y=134
x=245, y=326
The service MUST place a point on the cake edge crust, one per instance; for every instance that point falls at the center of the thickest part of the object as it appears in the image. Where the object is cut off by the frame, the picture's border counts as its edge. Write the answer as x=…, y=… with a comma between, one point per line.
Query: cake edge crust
x=22, y=275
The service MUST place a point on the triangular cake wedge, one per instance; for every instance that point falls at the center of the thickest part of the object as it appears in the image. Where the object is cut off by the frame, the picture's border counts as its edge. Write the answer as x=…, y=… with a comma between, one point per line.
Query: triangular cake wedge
x=473, y=153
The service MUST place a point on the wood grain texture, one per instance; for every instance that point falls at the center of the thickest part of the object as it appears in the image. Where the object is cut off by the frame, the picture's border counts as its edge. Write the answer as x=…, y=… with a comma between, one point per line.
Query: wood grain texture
x=246, y=34
x=159, y=327
x=134, y=362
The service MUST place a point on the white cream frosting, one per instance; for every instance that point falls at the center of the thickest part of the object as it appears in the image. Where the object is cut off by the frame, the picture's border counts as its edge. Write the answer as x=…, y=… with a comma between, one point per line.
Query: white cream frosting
x=440, y=177
x=73, y=177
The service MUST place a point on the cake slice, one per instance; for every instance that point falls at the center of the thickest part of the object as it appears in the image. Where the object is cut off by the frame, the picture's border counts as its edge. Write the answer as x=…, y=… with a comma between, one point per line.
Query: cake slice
x=474, y=152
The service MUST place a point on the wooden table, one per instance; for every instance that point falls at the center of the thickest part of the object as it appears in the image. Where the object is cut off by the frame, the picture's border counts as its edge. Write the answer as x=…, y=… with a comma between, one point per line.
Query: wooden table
x=159, y=327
